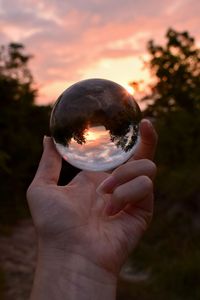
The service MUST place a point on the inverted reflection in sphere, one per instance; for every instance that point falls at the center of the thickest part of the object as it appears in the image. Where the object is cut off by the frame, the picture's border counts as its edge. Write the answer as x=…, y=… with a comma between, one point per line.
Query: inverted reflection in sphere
x=95, y=125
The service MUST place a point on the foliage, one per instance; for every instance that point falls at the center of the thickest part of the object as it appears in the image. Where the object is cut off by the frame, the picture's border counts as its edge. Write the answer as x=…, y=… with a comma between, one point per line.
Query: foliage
x=176, y=95
x=22, y=125
x=177, y=69
x=15, y=77
x=170, y=249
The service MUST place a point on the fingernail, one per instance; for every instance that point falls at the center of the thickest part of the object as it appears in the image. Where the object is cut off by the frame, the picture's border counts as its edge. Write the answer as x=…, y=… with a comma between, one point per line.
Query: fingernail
x=107, y=186
x=147, y=123
x=44, y=140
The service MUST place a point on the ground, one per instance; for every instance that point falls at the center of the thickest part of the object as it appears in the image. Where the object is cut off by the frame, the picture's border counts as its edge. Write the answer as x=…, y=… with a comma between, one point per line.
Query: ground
x=17, y=260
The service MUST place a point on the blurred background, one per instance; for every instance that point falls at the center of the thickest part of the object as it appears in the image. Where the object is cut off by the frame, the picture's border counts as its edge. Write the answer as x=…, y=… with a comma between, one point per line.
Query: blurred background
x=152, y=49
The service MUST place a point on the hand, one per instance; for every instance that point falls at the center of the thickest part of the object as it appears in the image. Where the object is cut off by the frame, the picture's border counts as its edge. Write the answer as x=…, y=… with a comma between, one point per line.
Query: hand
x=98, y=218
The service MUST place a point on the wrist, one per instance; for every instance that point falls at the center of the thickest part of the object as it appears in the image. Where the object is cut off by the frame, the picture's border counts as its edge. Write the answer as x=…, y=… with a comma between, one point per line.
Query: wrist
x=65, y=275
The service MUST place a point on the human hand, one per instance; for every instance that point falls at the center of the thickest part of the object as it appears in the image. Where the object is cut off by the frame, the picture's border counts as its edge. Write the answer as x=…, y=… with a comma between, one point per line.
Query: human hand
x=98, y=218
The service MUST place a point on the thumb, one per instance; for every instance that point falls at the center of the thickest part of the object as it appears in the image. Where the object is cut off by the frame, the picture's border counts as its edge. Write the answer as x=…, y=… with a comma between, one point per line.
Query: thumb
x=50, y=164
x=148, y=141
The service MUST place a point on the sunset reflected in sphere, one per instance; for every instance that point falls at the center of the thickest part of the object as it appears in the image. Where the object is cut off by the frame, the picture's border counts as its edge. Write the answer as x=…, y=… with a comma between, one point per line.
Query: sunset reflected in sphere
x=95, y=125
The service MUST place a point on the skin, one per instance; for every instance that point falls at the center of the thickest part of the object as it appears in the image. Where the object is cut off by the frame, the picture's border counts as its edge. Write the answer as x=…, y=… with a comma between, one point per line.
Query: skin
x=88, y=228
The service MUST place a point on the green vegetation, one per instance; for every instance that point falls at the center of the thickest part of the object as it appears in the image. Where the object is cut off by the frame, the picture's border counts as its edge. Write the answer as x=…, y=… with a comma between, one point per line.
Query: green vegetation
x=170, y=251
x=22, y=126
x=171, y=247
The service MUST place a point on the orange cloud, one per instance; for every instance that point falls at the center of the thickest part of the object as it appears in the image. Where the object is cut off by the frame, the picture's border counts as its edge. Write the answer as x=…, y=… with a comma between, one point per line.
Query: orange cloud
x=70, y=39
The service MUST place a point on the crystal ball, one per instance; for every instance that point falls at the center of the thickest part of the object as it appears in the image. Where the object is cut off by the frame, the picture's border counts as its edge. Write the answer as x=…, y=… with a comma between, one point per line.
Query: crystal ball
x=95, y=125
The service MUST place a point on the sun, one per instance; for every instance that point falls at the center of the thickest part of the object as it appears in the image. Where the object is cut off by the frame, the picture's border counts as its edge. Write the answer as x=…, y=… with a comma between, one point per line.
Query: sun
x=129, y=88
x=91, y=135
x=96, y=133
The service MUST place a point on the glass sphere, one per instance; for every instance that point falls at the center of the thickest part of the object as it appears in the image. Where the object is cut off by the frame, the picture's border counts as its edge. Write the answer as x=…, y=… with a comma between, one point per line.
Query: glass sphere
x=95, y=125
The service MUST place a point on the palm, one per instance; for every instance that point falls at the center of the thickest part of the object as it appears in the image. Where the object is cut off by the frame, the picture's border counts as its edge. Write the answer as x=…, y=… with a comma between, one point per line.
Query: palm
x=82, y=226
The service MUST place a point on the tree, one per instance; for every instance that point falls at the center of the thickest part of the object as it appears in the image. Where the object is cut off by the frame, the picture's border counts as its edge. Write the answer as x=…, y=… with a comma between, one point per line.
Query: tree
x=22, y=126
x=176, y=97
x=16, y=81
x=175, y=110
x=176, y=67
x=174, y=105
x=13, y=63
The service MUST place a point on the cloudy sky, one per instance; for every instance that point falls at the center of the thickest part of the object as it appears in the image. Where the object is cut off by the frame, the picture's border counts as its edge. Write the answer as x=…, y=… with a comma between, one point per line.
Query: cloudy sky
x=77, y=39
x=98, y=153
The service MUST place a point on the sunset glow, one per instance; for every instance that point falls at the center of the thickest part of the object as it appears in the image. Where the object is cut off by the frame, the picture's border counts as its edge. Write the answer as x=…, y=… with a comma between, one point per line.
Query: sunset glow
x=71, y=41
x=98, y=152
x=129, y=89
x=95, y=133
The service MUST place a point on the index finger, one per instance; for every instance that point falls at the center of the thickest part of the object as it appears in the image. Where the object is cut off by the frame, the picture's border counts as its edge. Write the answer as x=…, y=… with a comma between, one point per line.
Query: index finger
x=148, y=140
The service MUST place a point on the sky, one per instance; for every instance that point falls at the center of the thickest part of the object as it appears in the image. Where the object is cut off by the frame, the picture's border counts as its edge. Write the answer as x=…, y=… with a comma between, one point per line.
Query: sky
x=99, y=152
x=73, y=40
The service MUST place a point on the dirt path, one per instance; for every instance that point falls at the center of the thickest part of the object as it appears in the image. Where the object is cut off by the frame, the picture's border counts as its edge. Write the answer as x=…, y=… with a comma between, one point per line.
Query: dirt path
x=17, y=260
x=18, y=257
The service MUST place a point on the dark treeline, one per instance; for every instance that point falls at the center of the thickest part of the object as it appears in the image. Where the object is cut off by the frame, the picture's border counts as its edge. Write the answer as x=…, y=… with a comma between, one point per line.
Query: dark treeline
x=170, y=251
x=22, y=127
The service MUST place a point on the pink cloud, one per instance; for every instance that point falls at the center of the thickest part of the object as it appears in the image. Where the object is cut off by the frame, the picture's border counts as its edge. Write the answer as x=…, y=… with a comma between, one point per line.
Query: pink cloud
x=67, y=37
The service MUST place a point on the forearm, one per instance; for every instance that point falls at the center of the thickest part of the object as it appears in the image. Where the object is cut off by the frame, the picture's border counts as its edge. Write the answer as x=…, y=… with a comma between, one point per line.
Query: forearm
x=71, y=277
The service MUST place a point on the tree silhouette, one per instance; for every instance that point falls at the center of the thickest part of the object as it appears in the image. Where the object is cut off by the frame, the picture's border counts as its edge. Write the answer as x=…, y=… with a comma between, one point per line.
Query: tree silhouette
x=176, y=66
x=16, y=81
x=173, y=104
x=176, y=97
x=22, y=125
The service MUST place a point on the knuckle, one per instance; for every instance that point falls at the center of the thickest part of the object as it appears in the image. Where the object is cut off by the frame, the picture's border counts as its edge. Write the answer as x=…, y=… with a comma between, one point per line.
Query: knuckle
x=117, y=195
